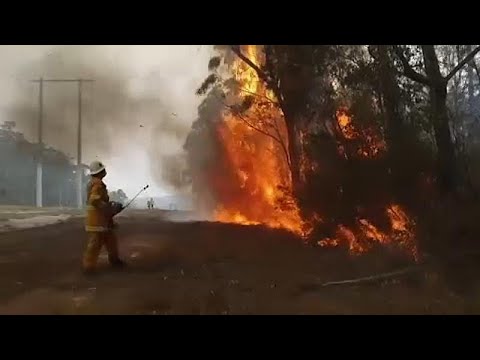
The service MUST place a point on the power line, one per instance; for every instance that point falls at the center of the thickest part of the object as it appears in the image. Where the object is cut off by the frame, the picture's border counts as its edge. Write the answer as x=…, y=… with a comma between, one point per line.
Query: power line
x=41, y=82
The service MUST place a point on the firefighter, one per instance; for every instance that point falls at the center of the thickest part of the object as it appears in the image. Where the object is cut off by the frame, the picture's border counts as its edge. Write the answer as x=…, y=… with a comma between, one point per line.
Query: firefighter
x=99, y=223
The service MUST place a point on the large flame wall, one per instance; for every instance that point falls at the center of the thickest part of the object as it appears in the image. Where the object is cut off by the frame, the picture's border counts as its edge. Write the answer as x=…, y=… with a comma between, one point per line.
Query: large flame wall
x=254, y=185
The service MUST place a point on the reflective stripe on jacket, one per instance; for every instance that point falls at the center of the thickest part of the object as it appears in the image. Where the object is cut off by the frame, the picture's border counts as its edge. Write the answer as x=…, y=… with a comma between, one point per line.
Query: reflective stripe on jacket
x=97, y=211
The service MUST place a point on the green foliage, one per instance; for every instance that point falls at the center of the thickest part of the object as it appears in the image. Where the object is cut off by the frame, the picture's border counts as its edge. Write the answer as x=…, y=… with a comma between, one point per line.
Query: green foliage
x=310, y=83
x=207, y=84
x=214, y=63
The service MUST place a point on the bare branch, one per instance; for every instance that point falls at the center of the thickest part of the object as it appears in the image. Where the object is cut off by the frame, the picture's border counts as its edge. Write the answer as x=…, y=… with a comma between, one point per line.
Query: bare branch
x=408, y=70
x=261, y=131
x=248, y=123
x=260, y=96
x=261, y=74
x=382, y=276
x=462, y=63
x=282, y=143
x=271, y=82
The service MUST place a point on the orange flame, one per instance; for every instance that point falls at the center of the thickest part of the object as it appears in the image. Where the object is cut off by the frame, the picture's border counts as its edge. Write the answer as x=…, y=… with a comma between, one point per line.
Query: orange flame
x=345, y=123
x=260, y=188
x=401, y=234
x=262, y=173
x=368, y=141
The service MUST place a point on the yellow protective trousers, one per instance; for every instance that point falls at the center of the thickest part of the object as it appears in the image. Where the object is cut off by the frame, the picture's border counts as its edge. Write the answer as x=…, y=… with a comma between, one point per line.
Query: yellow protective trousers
x=95, y=242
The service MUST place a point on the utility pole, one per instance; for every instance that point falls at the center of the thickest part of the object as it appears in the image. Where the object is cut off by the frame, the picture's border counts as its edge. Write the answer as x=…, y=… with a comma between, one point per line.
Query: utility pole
x=79, y=148
x=39, y=152
x=79, y=171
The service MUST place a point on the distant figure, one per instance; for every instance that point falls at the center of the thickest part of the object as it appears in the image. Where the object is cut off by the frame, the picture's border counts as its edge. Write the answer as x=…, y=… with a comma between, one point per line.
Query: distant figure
x=150, y=204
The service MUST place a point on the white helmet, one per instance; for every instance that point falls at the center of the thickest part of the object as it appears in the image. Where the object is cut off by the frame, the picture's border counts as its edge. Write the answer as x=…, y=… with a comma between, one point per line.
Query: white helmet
x=96, y=167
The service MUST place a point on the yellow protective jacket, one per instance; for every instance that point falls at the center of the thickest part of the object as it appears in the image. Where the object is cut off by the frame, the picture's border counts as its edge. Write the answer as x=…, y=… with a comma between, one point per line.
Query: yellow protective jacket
x=98, y=217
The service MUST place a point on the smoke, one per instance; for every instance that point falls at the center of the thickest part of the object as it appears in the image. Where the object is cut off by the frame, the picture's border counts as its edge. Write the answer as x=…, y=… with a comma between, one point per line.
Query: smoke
x=134, y=106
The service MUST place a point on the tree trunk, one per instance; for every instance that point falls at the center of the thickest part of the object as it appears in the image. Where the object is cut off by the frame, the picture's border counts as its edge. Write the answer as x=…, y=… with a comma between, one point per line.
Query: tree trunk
x=390, y=92
x=446, y=163
x=294, y=150
x=289, y=71
x=437, y=85
x=294, y=74
x=443, y=138
x=471, y=88
x=394, y=132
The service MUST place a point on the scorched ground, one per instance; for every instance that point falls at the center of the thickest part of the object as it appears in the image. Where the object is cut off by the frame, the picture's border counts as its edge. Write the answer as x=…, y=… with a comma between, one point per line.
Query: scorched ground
x=207, y=268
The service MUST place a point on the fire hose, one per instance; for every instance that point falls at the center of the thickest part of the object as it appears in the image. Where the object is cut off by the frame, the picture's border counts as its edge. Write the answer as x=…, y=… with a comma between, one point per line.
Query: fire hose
x=117, y=207
x=142, y=190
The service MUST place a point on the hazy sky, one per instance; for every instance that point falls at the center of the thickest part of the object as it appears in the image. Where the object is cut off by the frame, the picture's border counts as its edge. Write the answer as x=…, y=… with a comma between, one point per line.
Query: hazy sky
x=139, y=109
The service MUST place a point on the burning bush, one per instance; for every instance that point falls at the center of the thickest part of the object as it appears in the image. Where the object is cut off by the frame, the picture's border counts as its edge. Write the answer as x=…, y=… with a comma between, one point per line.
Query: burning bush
x=341, y=194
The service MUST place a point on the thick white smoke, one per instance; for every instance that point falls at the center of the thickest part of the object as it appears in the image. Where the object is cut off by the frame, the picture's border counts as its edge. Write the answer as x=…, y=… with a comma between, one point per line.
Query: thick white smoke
x=136, y=115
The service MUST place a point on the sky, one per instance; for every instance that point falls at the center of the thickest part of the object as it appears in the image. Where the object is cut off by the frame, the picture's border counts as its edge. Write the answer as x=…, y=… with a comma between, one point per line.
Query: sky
x=137, y=112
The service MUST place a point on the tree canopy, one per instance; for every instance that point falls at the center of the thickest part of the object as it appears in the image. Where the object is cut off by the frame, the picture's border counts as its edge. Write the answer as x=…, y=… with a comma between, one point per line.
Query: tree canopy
x=352, y=128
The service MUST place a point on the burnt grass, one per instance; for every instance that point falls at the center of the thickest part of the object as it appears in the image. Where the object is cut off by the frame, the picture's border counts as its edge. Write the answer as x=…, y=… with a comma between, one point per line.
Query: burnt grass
x=214, y=268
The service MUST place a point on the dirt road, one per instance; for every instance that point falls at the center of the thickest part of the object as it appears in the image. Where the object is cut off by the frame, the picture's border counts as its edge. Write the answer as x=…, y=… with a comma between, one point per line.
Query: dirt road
x=202, y=268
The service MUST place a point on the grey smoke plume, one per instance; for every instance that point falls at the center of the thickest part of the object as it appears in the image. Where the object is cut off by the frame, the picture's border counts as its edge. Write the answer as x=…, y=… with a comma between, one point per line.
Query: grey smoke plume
x=124, y=108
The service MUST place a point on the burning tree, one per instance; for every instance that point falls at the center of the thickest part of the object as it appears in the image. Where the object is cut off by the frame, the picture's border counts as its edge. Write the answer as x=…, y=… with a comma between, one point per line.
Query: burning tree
x=250, y=171
x=313, y=139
